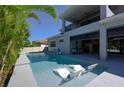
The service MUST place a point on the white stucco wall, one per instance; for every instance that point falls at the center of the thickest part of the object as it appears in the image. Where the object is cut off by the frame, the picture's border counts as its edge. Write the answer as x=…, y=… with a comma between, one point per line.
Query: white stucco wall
x=81, y=30
x=96, y=26
x=92, y=27
x=52, y=48
x=58, y=44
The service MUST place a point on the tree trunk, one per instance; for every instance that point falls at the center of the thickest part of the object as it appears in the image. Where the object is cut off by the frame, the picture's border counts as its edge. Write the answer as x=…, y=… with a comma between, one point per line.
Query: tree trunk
x=4, y=58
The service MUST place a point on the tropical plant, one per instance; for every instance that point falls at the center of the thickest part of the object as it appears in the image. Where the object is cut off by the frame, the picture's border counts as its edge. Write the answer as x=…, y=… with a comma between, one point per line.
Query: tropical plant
x=14, y=33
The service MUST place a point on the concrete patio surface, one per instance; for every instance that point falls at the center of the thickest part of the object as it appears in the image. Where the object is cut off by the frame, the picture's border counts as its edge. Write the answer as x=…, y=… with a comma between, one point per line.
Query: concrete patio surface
x=107, y=80
x=22, y=75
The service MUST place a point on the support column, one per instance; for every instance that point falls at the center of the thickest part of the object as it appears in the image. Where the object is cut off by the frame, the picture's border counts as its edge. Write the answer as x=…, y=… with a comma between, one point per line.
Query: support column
x=103, y=43
x=67, y=43
x=105, y=12
x=63, y=25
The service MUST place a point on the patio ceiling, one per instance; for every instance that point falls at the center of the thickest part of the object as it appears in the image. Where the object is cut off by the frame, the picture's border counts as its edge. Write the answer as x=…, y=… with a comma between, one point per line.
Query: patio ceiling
x=77, y=12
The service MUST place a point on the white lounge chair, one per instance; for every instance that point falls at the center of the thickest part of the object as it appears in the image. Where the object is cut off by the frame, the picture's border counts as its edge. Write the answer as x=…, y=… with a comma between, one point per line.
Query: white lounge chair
x=62, y=73
x=91, y=67
x=77, y=69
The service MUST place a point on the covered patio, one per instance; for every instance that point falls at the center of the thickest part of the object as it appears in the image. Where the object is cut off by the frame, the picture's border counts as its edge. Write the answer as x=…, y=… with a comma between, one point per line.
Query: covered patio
x=97, y=19
x=90, y=43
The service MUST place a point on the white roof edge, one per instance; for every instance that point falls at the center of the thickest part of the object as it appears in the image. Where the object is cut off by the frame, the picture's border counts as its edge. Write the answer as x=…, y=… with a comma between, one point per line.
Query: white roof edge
x=114, y=18
x=55, y=36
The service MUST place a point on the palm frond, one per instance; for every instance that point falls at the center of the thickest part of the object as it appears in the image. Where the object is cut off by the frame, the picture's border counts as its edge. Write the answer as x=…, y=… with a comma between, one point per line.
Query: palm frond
x=34, y=16
x=42, y=8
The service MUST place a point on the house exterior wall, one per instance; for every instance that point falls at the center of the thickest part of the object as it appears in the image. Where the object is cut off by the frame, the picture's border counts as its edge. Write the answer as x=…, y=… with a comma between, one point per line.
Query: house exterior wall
x=58, y=44
x=82, y=30
x=65, y=46
x=105, y=12
x=52, y=48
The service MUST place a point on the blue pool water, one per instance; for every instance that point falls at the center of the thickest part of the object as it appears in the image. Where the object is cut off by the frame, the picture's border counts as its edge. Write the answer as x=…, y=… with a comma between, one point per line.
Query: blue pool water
x=43, y=64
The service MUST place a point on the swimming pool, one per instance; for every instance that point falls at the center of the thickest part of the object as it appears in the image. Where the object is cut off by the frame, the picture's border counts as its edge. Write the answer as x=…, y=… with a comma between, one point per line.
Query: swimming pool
x=43, y=64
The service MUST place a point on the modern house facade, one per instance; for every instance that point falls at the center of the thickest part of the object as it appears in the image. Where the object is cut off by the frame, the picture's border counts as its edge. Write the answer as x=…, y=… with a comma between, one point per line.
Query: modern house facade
x=92, y=29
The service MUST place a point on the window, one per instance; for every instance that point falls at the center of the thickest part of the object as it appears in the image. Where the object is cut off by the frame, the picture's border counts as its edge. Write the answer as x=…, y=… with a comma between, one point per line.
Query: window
x=114, y=46
x=61, y=40
x=53, y=44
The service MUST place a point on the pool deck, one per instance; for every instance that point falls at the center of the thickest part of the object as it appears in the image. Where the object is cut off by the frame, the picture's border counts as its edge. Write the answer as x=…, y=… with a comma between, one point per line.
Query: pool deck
x=112, y=77
x=22, y=75
x=107, y=80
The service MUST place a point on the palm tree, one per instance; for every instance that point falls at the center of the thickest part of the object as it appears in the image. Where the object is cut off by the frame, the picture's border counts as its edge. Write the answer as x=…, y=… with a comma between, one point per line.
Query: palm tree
x=13, y=30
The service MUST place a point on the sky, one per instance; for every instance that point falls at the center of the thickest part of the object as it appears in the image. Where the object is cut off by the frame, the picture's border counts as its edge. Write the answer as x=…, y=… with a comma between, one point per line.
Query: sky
x=48, y=27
